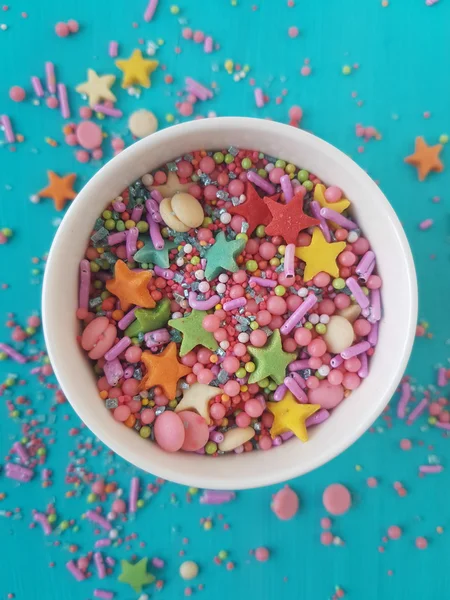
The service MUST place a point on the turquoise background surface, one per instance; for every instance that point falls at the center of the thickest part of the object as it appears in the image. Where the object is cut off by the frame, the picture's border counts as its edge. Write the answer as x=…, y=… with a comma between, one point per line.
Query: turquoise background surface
x=403, y=54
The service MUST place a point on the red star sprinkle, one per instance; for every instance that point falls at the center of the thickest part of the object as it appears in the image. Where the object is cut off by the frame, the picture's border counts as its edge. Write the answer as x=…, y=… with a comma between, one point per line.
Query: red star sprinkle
x=253, y=210
x=288, y=219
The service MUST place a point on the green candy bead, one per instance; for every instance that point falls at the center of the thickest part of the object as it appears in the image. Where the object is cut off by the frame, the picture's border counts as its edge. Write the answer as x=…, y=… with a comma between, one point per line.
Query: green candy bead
x=308, y=325
x=260, y=231
x=110, y=224
x=52, y=518
x=91, y=498
x=229, y=158
x=338, y=283
x=142, y=226
x=120, y=225
x=303, y=175
x=211, y=447
x=107, y=214
x=246, y=163
x=321, y=328
x=240, y=373
x=290, y=168
x=218, y=158
x=262, y=173
x=272, y=386
x=264, y=383
x=94, y=267
x=251, y=265
x=280, y=290
x=308, y=184
x=281, y=164
x=145, y=431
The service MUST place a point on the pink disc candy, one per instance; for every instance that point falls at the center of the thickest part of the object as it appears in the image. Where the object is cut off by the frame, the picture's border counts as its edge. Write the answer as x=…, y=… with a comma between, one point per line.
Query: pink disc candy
x=336, y=499
x=98, y=337
x=285, y=503
x=89, y=135
x=327, y=395
x=196, y=431
x=169, y=431
x=262, y=554
x=17, y=93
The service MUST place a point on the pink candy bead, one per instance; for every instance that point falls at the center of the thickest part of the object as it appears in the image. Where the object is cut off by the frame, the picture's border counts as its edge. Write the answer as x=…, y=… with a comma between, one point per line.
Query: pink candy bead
x=205, y=376
x=62, y=30
x=211, y=323
x=147, y=416
x=119, y=506
x=231, y=364
x=276, y=305
x=263, y=318
x=243, y=419
x=295, y=113
x=335, y=377
x=317, y=347
x=374, y=282
x=210, y=192
x=133, y=354
x=267, y=250
x=258, y=338
x=122, y=412
x=17, y=93
x=236, y=187
x=333, y=194
x=276, y=174
x=351, y=381
x=239, y=349
x=262, y=554
x=207, y=164
x=185, y=169
x=362, y=327
x=217, y=411
x=265, y=442
x=130, y=386
x=302, y=336
x=232, y=388
x=254, y=408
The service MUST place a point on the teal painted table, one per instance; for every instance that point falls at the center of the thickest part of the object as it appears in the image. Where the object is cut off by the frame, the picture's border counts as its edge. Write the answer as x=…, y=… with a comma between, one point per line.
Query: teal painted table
x=398, y=84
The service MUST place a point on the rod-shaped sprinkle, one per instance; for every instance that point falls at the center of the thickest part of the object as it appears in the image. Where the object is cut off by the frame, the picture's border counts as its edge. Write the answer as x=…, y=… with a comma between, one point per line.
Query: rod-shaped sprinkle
x=63, y=101
x=364, y=368
x=259, y=98
x=150, y=10
x=85, y=282
x=128, y=318
x=100, y=565
x=159, y=337
x=319, y=417
x=404, y=399
x=208, y=44
x=366, y=260
x=9, y=133
x=216, y=497
x=263, y=282
x=113, y=48
x=37, y=86
x=108, y=110
x=334, y=216
x=355, y=350
x=295, y=389
x=155, y=233
x=202, y=304
x=286, y=187
x=298, y=314
x=372, y=338
x=118, y=348
x=91, y=515
x=43, y=522
x=20, y=358
x=164, y=273
x=21, y=452
x=357, y=292
x=298, y=365
x=233, y=304
x=417, y=411
x=280, y=393
x=137, y=213
x=323, y=225
x=50, y=77
x=289, y=260
x=134, y=491
x=131, y=241
x=75, y=571
x=199, y=90
x=260, y=182
x=431, y=468
x=375, y=308
x=117, y=238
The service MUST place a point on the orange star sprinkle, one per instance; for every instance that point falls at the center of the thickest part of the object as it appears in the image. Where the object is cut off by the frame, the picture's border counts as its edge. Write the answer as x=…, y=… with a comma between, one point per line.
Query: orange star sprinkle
x=425, y=158
x=60, y=189
x=130, y=287
x=164, y=370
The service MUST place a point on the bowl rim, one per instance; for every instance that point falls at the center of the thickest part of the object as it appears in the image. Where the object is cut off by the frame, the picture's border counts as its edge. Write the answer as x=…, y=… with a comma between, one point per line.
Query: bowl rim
x=263, y=478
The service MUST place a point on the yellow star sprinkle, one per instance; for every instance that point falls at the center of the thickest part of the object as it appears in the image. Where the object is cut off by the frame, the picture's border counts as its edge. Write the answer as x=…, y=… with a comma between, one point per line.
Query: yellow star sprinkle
x=319, y=196
x=136, y=70
x=320, y=255
x=290, y=415
x=97, y=87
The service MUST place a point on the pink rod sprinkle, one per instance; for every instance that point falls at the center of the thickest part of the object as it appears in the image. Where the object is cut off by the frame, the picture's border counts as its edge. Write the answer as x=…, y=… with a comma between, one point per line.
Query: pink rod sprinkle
x=104, y=594
x=91, y=515
x=100, y=565
x=9, y=133
x=259, y=97
x=118, y=348
x=62, y=95
x=113, y=49
x=259, y=181
x=21, y=452
x=418, y=410
x=20, y=358
x=202, y=304
x=198, y=87
x=431, y=468
x=134, y=491
x=319, y=417
x=289, y=260
x=50, y=77
x=357, y=292
x=131, y=241
x=287, y=188
x=216, y=497
x=150, y=10
x=337, y=218
x=137, y=213
x=263, y=282
x=71, y=566
x=355, y=350
x=85, y=282
x=128, y=318
x=43, y=521
x=442, y=377
x=233, y=304
x=299, y=365
x=108, y=110
x=296, y=390
x=208, y=45
x=37, y=86
x=117, y=238
x=404, y=399
x=103, y=543
x=364, y=368
x=323, y=225
x=164, y=273
x=298, y=314
x=155, y=232
x=426, y=224
x=280, y=393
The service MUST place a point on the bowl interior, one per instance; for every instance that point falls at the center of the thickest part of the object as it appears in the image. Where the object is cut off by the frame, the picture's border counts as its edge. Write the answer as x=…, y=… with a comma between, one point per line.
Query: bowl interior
x=351, y=418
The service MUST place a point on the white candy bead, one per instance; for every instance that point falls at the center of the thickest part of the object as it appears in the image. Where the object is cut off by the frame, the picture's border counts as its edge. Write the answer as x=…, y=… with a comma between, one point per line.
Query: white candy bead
x=314, y=318
x=224, y=345
x=204, y=287
x=303, y=292
x=243, y=337
x=200, y=274
x=324, y=370
x=225, y=218
x=324, y=319
x=223, y=278
x=188, y=570
x=339, y=334
x=220, y=288
x=187, y=248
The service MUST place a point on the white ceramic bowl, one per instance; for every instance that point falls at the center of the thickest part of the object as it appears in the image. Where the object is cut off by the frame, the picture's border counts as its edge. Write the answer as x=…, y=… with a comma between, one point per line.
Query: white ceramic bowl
x=350, y=419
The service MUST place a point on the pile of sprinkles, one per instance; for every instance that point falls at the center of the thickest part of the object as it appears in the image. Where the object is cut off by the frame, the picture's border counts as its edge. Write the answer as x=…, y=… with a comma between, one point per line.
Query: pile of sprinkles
x=74, y=514
x=229, y=301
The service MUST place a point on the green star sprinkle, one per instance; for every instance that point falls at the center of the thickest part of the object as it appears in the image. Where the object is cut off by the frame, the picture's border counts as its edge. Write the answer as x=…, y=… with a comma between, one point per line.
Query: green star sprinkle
x=271, y=360
x=222, y=256
x=149, y=319
x=149, y=254
x=136, y=575
x=193, y=333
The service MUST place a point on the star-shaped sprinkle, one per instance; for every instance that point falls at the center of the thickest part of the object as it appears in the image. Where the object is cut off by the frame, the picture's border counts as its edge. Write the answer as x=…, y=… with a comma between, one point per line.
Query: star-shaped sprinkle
x=425, y=158
x=149, y=319
x=149, y=254
x=271, y=360
x=97, y=88
x=288, y=219
x=222, y=256
x=319, y=196
x=136, y=69
x=290, y=415
x=193, y=333
x=172, y=186
x=163, y=370
x=320, y=256
x=253, y=210
x=59, y=189
x=130, y=287
x=197, y=398
x=136, y=575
